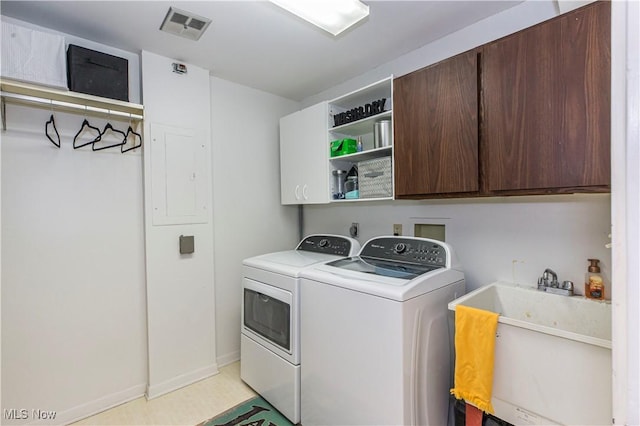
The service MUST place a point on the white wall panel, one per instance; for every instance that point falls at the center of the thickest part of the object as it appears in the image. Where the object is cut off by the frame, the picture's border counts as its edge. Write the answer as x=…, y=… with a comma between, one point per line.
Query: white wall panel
x=248, y=217
x=180, y=288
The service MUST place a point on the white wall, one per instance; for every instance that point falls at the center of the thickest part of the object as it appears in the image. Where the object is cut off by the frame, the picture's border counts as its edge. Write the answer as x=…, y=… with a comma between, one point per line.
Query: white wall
x=512, y=238
x=73, y=293
x=180, y=288
x=248, y=217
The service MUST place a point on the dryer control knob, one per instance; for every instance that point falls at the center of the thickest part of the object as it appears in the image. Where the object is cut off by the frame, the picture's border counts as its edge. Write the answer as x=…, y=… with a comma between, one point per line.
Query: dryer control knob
x=323, y=242
x=400, y=248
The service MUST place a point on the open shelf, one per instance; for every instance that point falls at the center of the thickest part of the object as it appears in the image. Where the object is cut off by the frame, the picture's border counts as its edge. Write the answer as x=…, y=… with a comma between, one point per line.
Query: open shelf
x=362, y=126
x=46, y=97
x=377, y=90
x=378, y=160
x=351, y=200
x=364, y=155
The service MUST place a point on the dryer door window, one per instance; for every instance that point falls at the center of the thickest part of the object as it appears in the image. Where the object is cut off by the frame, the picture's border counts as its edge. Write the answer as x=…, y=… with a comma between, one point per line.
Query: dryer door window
x=268, y=317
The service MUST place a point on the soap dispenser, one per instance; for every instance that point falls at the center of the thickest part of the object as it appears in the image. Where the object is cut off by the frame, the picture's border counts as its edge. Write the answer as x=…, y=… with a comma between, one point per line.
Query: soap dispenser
x=593, y=284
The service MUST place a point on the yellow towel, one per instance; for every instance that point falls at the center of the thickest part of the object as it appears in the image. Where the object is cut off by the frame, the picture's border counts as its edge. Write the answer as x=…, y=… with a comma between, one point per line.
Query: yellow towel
x=475, y=341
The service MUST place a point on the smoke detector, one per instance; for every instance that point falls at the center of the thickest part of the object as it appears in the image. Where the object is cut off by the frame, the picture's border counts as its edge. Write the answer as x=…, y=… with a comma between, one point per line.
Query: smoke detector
x=184, y=24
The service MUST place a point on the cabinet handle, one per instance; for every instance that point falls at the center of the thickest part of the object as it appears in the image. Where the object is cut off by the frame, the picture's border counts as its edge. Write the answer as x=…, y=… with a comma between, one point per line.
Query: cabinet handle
x=297, y=193
x=373, y=174
x=304, y=192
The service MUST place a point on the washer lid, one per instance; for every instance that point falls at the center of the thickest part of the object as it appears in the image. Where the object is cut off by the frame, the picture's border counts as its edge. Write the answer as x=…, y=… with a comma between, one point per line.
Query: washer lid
x=312, y=250
x=385, y=268
x=289, y=262
x=394, y=288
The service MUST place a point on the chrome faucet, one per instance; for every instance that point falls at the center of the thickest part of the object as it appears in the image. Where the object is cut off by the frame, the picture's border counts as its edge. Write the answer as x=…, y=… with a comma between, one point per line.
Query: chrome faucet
x=545, y=278
x=549, y=282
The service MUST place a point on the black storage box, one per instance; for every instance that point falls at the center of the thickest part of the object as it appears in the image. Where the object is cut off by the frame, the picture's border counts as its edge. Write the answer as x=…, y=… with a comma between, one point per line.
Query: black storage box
x=97, y=73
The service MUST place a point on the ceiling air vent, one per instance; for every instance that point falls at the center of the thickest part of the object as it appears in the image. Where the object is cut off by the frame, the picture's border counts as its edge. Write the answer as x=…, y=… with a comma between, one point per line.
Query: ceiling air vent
x=184, y=24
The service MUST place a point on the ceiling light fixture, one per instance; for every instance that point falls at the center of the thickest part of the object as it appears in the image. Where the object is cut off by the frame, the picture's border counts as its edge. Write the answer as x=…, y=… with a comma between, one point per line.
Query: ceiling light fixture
x=333, y=16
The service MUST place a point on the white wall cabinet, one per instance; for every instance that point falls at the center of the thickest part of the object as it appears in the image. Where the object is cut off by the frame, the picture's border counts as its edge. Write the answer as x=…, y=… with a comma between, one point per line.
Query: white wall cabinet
x=303, y=156
x=306, y=166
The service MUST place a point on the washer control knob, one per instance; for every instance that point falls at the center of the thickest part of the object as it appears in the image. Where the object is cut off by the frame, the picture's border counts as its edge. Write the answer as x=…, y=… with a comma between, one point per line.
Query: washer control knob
x=400, y=248
x=323, y=242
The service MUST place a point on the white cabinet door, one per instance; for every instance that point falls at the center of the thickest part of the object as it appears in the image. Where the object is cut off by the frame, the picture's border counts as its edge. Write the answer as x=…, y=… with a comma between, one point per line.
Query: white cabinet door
x=304, y=149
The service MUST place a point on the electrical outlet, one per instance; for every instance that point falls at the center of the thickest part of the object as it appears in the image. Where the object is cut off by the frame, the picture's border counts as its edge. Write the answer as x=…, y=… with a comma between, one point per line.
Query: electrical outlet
x=397, y=229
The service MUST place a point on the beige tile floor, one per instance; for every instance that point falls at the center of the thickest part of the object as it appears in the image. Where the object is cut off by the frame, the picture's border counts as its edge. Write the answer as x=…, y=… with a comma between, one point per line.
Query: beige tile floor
x=187, y=406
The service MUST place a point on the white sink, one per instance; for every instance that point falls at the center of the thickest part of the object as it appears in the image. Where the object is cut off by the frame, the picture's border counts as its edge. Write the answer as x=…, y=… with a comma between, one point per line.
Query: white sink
x=552, y=356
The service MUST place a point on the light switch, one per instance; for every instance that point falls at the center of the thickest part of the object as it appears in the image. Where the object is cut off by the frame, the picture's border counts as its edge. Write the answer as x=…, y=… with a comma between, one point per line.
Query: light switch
x=186, y=244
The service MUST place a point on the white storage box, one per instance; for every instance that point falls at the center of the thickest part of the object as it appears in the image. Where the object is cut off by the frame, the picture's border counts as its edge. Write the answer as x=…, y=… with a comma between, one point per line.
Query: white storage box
x=374, y=178
x=33, y=56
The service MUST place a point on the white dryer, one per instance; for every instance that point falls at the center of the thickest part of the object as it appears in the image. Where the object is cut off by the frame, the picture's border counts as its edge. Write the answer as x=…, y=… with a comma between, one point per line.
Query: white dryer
x=270, y=328
x=375, y=339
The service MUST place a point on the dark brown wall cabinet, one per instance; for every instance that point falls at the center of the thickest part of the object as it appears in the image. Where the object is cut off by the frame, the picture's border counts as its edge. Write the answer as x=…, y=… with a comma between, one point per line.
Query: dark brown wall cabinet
x=543, y=117
x=436, y=128
x=546, y=105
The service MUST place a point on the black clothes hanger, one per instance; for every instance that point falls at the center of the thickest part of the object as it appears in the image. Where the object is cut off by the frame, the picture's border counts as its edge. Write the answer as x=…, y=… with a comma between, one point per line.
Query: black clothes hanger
x=136, y=135
x=46, y=131
x=109, y=128
x=84, y=127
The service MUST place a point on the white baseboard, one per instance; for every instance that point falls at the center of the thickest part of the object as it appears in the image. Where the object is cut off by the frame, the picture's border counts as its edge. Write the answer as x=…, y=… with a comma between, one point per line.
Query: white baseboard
x=228, y=358
x=156, y=390
x=97, y=406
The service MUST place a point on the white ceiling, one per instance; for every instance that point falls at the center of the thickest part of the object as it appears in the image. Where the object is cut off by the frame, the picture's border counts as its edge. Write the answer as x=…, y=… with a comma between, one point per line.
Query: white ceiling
x=257, y=44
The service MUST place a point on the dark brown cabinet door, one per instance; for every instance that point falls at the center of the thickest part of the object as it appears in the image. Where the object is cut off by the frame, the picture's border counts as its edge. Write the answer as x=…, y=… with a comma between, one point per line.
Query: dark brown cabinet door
x=435, y=114
x=546, y=106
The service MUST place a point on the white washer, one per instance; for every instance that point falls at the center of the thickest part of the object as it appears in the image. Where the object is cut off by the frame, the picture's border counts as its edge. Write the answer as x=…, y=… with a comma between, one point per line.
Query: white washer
x=375, y=339
x=270, y=328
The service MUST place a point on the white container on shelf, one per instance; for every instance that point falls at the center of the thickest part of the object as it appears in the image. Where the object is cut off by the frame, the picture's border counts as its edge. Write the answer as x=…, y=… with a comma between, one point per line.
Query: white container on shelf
x=374, y=178
x=33, y=56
